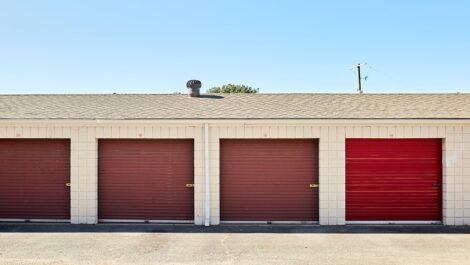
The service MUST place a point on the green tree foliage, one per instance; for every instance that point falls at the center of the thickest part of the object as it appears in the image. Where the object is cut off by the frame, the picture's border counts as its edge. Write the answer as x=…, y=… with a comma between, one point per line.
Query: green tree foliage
x=231, y=88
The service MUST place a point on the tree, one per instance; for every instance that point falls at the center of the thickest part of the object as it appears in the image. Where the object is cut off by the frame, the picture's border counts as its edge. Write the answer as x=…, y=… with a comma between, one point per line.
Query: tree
x=231, y=88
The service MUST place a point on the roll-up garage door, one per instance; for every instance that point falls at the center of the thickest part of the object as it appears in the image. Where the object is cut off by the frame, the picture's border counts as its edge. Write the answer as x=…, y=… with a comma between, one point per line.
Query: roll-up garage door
x=269, y=180
x=393, y=180
x=146, y=180
x=34, y=177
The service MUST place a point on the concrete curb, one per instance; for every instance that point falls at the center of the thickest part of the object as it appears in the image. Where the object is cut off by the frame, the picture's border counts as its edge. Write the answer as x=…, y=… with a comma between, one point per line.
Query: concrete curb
x=184, y=228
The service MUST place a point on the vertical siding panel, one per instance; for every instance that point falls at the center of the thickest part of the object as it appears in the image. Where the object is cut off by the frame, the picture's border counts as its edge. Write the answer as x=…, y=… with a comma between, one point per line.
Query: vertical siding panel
x=399, y=132
x=199, y=135
x=49, y=132
x=231, y=132
x=34, y=132
x=342, y=132
x=190, y=131
x=357, y=132
x=408, y=132
x=307, y=132
x=63, y=131
x=248, y=132
x=223, y=132
x=374, y=132
x=383, y=132
x=299, y=132
x=115, y=132
x=332, y=133
x=391, y=131
x=107, y=132
x=441, y=132
x=82, y=135
x=214, y=133
x=66, y=132
x=240, y=132
x=264, y=131
x=99, y=132
x=156, y=132
x=131, y=131
x=148, y=131
x=416, y=132
x=349, y=132
x=257, y=132
x=10, y=132
x=316, y=132
x=273, y=132
x=324, y=133
x=140, y=132
x=26, y=132
x=282, y=131
x=366, y=131
x=123, y=132
x=425, y=132
x=290, y=132
x=165, y=132
x=58, y=132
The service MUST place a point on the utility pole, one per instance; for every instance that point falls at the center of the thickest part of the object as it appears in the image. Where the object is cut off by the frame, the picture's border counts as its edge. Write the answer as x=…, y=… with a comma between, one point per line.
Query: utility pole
x=359, y=89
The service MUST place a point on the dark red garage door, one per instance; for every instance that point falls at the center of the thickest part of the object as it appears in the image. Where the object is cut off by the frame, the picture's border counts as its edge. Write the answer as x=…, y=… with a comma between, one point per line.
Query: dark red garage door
x=33, y=178
x=146, y=180
x=269, y=180
x=393, y=179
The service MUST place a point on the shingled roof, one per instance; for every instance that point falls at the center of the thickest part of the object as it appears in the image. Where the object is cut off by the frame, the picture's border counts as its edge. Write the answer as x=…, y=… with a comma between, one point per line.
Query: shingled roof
x=235, y=106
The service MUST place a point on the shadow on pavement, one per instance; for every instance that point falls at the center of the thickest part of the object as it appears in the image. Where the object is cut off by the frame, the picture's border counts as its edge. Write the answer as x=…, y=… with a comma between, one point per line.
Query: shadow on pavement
x=174, y=228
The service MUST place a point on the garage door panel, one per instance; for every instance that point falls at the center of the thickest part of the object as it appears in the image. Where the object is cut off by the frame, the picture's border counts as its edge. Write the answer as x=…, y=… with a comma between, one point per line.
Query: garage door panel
x=268, y=180
x=146, y=179
x=393, y=180
x=33, y=177
x=416, y=214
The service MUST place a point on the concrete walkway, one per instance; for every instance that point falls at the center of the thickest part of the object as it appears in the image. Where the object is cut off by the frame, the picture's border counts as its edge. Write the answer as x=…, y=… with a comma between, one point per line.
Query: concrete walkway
x=187, y=244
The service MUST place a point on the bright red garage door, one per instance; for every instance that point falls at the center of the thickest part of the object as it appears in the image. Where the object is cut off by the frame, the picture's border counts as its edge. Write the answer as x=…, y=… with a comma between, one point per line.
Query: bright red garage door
x=393, y=180
x=33, y=178
x=268, y=180
x=145, y=180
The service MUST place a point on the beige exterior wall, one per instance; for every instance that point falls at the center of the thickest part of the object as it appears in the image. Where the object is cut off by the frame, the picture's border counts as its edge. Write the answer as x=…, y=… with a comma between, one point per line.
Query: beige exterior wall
x=84, y=137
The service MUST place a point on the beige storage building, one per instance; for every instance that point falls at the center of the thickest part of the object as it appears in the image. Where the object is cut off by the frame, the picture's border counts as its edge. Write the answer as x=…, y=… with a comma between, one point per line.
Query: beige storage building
x=331, y=159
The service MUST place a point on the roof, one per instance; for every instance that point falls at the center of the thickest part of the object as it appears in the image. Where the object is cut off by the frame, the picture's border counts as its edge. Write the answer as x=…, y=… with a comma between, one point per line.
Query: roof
x=235, y=106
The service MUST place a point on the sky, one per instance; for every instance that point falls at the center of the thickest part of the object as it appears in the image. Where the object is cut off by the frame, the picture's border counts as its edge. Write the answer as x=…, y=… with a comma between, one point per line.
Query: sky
x=140, y=46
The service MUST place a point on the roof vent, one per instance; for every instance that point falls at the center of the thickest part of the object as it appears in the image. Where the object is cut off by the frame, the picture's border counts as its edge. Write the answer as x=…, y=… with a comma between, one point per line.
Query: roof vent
x=193, y=88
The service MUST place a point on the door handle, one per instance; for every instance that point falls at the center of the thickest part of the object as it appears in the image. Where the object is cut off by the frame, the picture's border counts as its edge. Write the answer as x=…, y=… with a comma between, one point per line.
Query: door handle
x=189, y=185
x=314, y=186
x=68, y=184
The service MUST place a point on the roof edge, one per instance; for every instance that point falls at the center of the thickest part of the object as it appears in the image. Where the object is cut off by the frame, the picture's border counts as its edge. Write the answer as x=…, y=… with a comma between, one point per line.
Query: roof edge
x=338, y=122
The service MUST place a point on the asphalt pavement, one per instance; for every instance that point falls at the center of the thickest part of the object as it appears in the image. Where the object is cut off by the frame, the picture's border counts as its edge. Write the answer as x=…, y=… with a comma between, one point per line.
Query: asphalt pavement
x=123, y=244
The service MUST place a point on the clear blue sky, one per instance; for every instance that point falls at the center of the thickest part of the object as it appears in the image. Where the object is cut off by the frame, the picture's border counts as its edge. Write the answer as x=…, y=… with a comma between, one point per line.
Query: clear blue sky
x=92, y=46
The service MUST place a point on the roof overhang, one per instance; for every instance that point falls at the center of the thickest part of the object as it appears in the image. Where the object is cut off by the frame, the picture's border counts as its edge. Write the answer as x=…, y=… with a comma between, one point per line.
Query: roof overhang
x=95, y=122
